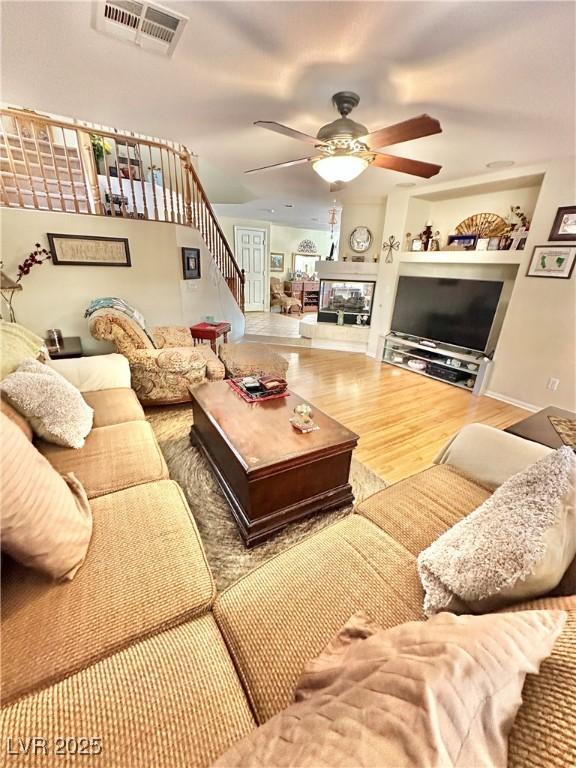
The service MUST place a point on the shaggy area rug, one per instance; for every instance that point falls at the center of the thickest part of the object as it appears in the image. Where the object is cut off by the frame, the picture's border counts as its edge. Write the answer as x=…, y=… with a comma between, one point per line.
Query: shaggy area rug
x=228, y=557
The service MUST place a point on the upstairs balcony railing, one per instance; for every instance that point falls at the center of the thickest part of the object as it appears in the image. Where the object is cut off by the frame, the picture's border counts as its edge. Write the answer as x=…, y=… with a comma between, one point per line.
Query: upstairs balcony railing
x=54, y=164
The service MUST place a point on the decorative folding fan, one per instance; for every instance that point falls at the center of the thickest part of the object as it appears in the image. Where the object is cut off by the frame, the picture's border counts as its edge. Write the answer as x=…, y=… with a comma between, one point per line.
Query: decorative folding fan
x=483, y=225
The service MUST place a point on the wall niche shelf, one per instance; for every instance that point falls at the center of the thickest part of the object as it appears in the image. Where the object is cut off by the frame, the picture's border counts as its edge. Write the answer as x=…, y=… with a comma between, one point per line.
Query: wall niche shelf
x=461, y=257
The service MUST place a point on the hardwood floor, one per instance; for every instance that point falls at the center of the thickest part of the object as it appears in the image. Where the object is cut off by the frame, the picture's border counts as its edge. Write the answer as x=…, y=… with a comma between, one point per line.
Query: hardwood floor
x=403, y=418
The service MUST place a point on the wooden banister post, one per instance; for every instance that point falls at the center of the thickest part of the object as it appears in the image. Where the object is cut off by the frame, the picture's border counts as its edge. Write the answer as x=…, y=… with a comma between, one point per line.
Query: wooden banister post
x=186, y=163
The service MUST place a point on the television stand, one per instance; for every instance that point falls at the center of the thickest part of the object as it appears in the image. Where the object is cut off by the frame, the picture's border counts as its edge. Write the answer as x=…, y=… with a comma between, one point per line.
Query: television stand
x=460, y=367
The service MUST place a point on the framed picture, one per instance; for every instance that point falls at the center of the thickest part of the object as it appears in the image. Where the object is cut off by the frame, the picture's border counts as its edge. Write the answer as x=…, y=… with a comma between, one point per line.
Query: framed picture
x=276, y=262
x=493, y=243
x=462, y=242
x=89, y=251
x=564, y=227
x=552, y=261
x=416, y=244
x=191, y=263
x=482, y=243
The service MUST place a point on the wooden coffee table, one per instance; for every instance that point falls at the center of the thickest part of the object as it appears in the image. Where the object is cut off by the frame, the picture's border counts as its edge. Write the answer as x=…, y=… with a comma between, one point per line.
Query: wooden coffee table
x=270, y=473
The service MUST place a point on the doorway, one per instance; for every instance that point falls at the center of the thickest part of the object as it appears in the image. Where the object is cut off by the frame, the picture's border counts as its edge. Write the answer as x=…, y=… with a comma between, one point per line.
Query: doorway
x=250, y=249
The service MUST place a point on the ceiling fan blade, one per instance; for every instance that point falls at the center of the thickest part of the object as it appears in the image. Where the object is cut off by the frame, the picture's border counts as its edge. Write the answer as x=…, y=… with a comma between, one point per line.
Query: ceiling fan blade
x=404, y=165
x=338, y=186
x=415, y=128
x=300, y=161
x=286, y=131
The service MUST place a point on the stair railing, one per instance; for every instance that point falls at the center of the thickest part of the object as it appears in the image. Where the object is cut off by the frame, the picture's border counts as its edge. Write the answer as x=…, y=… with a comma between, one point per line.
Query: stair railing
x=60, y=165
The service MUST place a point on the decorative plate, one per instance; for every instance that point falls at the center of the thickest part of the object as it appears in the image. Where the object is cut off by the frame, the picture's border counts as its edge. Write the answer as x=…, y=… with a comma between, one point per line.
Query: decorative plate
x=360, y=239
x=483, y=225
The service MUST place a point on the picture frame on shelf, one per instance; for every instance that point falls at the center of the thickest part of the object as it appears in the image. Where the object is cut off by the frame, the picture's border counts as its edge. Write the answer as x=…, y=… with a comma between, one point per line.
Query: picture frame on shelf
x=416, y=244
x=564, y=226
x=462, y=242
x=493, y=243
x=89, y=250
x=191, y=263
x=482, y=243
x=555, y=261
x=276, y=262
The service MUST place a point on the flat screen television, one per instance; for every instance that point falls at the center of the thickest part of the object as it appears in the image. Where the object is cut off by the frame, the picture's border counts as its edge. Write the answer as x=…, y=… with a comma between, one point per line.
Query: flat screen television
x=458, y=312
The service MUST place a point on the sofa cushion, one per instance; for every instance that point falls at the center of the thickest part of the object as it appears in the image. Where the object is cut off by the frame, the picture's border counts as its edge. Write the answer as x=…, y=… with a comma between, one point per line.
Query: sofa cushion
x=114, y=406
x=113, y=458
x=544, y=732
x=172, y=701
x=45, y=519
x=417, y=510
x=284, y=613
x=145, y=571
x=16, y=417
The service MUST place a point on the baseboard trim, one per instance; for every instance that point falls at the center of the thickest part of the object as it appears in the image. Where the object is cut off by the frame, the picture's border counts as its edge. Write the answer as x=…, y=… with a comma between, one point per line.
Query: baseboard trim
x=512, y=401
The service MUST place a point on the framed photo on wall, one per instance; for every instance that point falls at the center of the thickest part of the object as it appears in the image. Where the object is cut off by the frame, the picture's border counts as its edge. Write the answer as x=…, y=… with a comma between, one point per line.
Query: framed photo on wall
x=191, y=263
x=89, y=251
x=552, y=261
x=564, y=227
x=276, y=262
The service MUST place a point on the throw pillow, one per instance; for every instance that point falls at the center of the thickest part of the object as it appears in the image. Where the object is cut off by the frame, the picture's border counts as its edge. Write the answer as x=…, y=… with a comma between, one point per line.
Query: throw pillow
x=516, y=545
x=55, y=409
x=443, y=692
x=16, y=344
x=46, y=521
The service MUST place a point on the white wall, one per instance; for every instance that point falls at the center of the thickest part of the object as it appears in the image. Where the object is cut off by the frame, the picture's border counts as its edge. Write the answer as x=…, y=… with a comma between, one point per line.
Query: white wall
x=359, y=215
x=538, y=335
x=280, y=239
x=538, y=339
x=56, y=296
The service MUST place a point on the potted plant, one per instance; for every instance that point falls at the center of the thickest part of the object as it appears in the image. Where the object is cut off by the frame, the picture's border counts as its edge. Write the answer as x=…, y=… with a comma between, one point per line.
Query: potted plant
x=100, y=147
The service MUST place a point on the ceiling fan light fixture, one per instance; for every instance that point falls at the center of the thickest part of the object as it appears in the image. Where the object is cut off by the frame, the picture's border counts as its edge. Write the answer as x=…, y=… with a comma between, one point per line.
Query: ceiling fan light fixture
x=340, y=167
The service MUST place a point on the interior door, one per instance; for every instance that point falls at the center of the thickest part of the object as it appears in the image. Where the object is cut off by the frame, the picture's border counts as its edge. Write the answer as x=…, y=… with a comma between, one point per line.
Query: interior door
x=251, y=256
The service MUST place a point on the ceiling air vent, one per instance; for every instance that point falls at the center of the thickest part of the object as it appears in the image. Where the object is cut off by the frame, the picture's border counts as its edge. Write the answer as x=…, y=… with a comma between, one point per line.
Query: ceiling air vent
x=147, y=25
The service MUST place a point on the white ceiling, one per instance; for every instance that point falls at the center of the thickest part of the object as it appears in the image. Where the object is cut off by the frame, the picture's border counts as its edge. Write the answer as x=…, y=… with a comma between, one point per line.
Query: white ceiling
x=500, y=77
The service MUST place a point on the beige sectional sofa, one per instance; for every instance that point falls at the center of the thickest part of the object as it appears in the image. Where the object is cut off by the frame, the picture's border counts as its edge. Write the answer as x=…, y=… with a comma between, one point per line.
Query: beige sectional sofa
x=139, y=653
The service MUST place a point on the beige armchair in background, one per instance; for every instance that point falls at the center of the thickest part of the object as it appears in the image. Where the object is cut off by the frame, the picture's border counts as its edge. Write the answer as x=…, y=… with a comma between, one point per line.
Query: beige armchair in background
x=163, y=361
x=279, y=299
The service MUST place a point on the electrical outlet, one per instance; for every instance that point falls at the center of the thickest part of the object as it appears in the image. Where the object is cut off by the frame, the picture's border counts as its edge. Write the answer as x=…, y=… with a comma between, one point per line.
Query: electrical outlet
x=553, y=384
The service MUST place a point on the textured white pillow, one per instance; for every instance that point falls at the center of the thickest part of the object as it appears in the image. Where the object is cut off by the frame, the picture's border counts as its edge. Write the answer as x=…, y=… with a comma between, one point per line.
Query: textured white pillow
x=516, y=545
x=55, y=409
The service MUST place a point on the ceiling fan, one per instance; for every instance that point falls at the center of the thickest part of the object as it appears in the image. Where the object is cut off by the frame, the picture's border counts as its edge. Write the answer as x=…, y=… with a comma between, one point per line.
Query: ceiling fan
x=346, y=148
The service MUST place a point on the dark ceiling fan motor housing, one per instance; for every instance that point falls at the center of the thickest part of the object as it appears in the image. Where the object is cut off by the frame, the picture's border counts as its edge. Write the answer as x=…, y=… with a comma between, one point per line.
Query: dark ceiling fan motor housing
x=343, y=127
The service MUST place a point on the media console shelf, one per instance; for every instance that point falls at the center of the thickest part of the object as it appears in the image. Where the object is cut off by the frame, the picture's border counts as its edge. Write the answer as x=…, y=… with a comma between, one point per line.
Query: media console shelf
x=453, y=365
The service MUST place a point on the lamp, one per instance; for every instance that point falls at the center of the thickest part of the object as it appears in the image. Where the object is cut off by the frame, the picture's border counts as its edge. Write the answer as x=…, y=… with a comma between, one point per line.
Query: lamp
x=340, y=167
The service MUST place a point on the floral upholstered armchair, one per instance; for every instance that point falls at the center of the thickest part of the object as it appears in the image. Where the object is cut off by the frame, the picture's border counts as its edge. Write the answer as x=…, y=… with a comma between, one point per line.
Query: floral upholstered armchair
x=279, y=299
x=163, y=361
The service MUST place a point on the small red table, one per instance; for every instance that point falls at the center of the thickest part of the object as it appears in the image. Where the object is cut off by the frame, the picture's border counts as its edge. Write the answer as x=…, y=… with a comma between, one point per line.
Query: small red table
x=209, y=332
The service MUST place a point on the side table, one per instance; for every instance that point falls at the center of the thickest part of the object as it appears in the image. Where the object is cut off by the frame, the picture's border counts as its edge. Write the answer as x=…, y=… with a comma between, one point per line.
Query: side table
x=70, y=346
x=539, y=429
x=208, y=332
